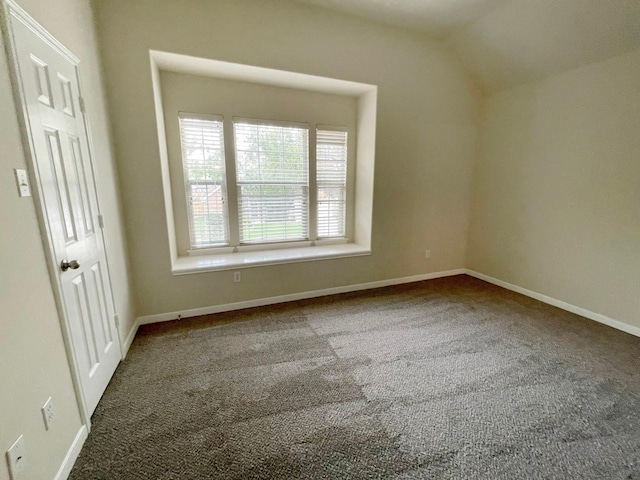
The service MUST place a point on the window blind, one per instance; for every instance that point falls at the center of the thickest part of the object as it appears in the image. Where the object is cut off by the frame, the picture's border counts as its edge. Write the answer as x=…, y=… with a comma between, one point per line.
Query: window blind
x=331, y=180
x=272, y=176
x=204, y=171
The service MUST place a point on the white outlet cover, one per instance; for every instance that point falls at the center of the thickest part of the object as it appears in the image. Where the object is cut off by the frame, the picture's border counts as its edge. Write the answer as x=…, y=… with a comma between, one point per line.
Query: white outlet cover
x=48, y=414
x=16, y=459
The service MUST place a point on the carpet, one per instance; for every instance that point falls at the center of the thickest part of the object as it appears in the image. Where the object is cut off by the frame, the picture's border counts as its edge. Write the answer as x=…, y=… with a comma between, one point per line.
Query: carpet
x=451, y=378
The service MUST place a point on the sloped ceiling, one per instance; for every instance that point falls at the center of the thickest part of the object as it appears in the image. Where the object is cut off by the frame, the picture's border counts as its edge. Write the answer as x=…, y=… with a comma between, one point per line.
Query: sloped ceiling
x=505, y=43
x=434, y=17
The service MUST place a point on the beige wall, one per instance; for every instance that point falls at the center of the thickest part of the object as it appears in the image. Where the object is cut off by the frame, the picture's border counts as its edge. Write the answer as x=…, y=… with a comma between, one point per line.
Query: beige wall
x=557, y=188
x=424, y=152
x=33, y=363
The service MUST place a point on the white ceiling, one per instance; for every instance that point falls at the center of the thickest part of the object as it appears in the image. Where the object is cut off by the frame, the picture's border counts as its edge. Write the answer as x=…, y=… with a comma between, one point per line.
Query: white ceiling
x=504, y=43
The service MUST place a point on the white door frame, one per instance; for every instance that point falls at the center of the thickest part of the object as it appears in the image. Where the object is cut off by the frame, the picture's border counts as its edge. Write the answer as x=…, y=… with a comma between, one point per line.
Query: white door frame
x=11, y=11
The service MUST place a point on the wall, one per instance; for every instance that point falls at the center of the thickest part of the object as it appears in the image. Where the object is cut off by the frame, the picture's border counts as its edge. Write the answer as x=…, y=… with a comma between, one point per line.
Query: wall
x=557, y=188
x=424, y=152
x=33, y=363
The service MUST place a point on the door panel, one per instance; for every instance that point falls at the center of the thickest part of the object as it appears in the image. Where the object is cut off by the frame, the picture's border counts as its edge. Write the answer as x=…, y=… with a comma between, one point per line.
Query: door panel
x=60, y=184
x=87, y=340
x=62, y=160
x=83, y=187
x=101, y=304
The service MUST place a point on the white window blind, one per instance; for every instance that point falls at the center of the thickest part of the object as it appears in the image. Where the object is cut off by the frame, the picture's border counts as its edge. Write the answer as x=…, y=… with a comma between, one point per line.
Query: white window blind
x=331, y=180
x=204, y=172
x=272, y=173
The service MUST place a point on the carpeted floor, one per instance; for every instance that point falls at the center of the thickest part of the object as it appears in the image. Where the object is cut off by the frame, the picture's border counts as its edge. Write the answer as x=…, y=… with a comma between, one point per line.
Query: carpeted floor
x=448, y=378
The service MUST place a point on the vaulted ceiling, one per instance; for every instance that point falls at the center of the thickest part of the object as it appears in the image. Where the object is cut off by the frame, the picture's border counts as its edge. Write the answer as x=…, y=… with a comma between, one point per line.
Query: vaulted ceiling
x=435, y=17
x=505, y=43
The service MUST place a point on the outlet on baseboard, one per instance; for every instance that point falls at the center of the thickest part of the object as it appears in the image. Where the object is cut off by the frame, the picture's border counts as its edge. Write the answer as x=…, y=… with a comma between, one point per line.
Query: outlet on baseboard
x=48, y=414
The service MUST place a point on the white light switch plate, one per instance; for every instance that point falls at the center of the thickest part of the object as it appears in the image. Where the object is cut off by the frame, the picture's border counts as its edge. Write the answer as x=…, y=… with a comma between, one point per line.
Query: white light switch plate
x=22, y=179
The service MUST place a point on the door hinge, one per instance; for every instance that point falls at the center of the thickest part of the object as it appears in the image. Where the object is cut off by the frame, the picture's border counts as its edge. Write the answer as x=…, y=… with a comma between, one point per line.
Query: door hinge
x=83, y=107
x=116, y=319
x=100, y=221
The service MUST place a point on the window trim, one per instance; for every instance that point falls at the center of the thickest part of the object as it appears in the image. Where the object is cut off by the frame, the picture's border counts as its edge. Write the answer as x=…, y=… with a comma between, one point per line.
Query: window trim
x=233, y=261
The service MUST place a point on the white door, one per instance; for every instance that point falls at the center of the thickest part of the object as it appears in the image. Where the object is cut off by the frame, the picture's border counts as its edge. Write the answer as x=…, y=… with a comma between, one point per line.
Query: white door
x=48, y=76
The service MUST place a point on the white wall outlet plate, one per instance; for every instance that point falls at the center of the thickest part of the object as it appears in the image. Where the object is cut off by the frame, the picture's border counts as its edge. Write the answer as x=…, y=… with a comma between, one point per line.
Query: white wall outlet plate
x=427, y=254
x=16, y=459
x=22, y=179
x=237, y=277
x=48, y=414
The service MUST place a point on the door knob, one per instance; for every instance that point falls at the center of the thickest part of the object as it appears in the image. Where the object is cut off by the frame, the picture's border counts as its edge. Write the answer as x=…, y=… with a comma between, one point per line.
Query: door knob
x=73, y=265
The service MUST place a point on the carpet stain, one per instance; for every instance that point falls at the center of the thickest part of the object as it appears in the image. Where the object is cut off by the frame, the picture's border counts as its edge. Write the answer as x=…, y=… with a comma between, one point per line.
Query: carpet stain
x=325, y=384
x=357, y=450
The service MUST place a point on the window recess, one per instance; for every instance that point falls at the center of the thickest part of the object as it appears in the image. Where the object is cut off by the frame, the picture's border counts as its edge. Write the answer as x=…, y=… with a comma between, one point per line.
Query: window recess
x=183, y=83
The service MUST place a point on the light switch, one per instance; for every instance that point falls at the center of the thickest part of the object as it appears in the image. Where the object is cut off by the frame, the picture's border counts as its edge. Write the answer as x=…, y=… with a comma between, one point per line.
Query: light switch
x=22, y=179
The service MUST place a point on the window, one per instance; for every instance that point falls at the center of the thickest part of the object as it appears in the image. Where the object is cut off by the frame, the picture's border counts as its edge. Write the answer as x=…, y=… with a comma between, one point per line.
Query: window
x=331, y=167
x=204, y=172
x=272, y=171
x=272, y=182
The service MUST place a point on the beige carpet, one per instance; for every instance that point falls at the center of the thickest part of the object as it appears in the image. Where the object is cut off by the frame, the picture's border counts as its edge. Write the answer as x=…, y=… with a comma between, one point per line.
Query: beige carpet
x=448, y=378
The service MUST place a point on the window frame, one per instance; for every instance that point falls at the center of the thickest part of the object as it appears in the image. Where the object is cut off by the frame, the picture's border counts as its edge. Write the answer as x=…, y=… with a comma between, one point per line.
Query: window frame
x=231, y=187
x=188, y=183
x=348, y=201
x=238, y=183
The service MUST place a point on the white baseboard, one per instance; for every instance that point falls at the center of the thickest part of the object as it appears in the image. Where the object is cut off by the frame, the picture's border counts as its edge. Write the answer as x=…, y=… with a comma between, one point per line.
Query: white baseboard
x=227, y=307
x=617, y=324
x=72, y=454
x=259, y=302
x=129, y=340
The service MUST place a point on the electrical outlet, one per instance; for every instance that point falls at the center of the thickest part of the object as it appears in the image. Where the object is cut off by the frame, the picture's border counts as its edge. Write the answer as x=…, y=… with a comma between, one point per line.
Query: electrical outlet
x=427, y=254
x=237, y=277
x=16, y=459
x=47, y=413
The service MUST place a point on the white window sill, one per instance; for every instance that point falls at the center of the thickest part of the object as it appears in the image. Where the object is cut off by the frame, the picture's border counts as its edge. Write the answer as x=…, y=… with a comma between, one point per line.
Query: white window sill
x=230, y=261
